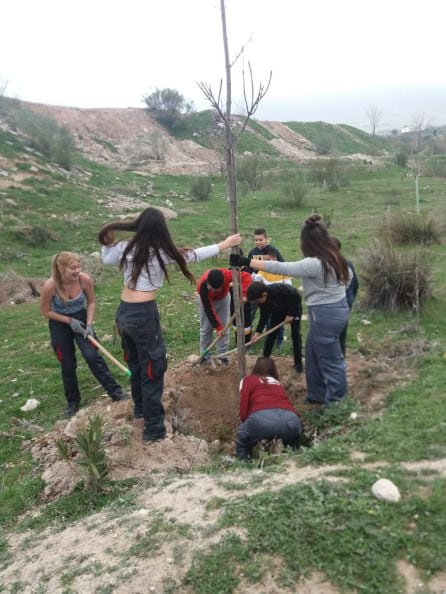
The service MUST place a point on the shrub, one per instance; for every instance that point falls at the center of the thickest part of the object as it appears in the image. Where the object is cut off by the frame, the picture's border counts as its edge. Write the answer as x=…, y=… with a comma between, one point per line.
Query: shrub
x=401, y=159
x=201, y=187
x=89, y=443
x=251, y=171
x=294, y=192
x=330, y=173
x=34, y=235
x=434, y=167
x=410, y=229
x=393, y=280
x=167, y=106
x=46, y=136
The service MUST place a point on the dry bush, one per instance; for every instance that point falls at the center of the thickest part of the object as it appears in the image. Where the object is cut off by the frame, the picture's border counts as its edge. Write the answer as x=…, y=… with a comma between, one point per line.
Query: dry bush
x=393, y=280
x=410, y=229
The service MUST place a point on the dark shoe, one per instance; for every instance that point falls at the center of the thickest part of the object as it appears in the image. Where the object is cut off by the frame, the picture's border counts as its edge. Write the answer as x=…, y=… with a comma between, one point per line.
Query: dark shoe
x=146, y=438
x=71, y=409
x=298, y=369
x=119, y=396
x=206, y=361
x=309, y=400
x=138, y=414
x=224, y=361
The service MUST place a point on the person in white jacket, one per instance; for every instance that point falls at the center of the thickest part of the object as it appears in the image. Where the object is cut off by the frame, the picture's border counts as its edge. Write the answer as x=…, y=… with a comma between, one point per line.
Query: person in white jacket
x=144, y=259
x=325, y=275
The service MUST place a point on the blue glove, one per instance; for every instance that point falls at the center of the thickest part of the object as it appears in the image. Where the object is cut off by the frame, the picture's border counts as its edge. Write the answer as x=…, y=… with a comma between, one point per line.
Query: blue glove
x=77, y=326
x=238, y=260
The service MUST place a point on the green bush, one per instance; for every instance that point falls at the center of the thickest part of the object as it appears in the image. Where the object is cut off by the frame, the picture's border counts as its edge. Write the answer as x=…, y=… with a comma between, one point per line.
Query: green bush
x=34, y=235
x=401, y=159
x=393, y=280
x=294, y=192
x=434, y=167
x=167, y=106
x=45, y=135
x=251, y=171
x=201, y=187
x=410, y=229
x=329, y=173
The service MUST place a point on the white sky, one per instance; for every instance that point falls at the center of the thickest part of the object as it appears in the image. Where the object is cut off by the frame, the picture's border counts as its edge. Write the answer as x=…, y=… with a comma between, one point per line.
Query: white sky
x=109, y=53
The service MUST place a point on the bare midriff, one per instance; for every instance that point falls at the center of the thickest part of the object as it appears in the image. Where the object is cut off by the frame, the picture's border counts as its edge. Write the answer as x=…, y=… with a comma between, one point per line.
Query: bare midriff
x=132, y=296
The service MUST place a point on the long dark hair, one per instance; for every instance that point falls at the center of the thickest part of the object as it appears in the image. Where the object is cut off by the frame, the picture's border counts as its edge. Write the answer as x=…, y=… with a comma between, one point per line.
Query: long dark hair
x=151, y=236
x=316, y=243
x=264, y=367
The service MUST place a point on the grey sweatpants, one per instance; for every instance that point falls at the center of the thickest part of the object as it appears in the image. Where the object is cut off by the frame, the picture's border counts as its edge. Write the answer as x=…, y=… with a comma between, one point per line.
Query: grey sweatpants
x=221, y=308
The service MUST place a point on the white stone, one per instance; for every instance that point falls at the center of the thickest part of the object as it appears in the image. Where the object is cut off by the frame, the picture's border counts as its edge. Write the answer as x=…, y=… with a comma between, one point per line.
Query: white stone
x=365, y=322
x=30, y=404
x=353, y=416
x=385, y=490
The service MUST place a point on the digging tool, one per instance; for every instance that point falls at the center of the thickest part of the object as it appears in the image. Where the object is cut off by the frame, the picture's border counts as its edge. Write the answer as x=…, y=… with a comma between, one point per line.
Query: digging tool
x=104, y=351
x=273, y=329
x=216, y=339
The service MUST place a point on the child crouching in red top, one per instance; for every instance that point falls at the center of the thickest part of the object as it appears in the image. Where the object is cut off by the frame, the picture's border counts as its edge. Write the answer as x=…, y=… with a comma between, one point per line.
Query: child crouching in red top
x=265, y=410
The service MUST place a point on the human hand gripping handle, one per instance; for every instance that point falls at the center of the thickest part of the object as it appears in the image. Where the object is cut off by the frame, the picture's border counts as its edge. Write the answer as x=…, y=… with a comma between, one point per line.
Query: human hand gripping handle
x=77, y=326
x=89, y=331
x=238, y=260
x=230, y=242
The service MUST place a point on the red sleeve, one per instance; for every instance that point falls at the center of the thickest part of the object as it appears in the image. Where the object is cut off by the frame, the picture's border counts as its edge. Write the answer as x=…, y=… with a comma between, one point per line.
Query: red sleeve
x=246, y=386
x=246, y=281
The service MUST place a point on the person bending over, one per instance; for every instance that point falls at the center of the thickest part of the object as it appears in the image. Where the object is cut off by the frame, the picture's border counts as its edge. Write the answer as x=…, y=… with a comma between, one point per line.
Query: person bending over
x=67, y=300
x=265, y=410
x=213, y=300
x=278, y=303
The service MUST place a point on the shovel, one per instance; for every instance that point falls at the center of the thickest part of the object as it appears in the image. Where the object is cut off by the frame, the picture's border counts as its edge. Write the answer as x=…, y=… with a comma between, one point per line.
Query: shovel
x=216, y=339
x=104, y=351
x=273, y=329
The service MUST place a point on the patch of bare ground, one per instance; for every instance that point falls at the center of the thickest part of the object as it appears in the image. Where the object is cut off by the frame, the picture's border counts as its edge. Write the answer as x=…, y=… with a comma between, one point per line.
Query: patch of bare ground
x=15, y=289
x=107, y=550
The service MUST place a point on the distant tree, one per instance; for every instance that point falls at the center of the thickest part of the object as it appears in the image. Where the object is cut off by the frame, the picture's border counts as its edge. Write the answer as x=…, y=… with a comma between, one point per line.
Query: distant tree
x=167, y=106
x=419, y=124
x=374, y=116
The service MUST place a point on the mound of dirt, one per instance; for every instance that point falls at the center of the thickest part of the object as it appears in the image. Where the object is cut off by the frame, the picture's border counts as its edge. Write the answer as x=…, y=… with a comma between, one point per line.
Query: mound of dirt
x=16, y=289
x=202, y=406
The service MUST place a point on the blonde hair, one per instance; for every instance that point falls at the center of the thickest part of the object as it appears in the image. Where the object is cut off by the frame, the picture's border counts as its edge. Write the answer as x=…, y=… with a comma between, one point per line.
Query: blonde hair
x=61, y=260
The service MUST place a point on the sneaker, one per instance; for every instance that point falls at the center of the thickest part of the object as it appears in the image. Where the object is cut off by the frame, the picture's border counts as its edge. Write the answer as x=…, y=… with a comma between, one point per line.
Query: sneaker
x=298, y=369
x=147, y=439
x=119, y=396
x=224, y=361
x=71, y=409
x=138, y=414
x=206, y=361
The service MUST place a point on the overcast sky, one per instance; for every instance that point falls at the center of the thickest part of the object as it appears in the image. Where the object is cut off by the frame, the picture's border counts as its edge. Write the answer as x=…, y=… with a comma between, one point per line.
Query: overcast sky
x=109, y=53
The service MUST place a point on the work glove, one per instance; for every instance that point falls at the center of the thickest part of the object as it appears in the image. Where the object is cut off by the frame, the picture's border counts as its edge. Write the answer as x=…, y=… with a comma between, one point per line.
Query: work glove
x=77, y=326
x=238, y=260
x=88, y=331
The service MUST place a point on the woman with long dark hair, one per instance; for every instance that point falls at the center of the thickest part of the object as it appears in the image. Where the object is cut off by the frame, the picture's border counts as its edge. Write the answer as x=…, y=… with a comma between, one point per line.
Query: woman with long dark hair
x=144, y=259
x=325, y=276
x=265, y=411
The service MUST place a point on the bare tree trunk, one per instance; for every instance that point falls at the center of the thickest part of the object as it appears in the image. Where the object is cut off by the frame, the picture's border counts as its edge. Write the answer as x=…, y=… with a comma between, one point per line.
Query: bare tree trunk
x=231, y=185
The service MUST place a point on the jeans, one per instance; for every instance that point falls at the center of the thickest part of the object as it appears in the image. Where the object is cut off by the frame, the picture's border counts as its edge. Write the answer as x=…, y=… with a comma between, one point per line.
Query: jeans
x=271, y=423
x=145, y=353
x=343, y=336
x=63, y=341
x=324, y=363
x=221, y=308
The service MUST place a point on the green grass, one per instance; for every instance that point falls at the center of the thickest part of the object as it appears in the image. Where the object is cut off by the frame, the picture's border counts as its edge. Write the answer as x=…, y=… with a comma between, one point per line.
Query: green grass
x=411, y=427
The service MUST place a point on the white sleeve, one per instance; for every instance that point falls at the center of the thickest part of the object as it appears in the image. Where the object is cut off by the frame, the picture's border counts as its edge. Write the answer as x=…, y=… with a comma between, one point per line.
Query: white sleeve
x=201, y=253
x=112, y=254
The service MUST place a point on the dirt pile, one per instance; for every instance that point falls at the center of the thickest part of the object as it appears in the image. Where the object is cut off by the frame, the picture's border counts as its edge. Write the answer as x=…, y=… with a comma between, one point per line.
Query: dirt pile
x=15, y=289
x=202, y=407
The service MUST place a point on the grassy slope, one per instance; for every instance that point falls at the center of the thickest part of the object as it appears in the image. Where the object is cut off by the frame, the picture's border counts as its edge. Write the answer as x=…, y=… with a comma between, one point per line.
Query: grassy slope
x=412, y=427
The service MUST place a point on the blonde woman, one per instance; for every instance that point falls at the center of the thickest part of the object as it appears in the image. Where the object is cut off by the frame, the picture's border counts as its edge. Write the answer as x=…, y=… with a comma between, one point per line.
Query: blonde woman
x=67, y=300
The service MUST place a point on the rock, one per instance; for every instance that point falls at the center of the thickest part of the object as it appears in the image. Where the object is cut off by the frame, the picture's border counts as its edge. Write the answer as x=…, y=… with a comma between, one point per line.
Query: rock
x=385, y=490
x=193, y=359
x=30, y=404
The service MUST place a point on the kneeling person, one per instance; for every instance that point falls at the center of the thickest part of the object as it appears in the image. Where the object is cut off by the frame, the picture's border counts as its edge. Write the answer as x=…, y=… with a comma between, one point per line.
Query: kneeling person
x=265, y=410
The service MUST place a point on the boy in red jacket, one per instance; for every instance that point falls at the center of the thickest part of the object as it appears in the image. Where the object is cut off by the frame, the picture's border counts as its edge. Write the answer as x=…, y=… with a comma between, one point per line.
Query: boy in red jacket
x=213, y=307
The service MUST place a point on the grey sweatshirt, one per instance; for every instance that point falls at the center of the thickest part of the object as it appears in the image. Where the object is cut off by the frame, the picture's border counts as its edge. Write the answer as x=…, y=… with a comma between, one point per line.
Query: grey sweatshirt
x=310, y=270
